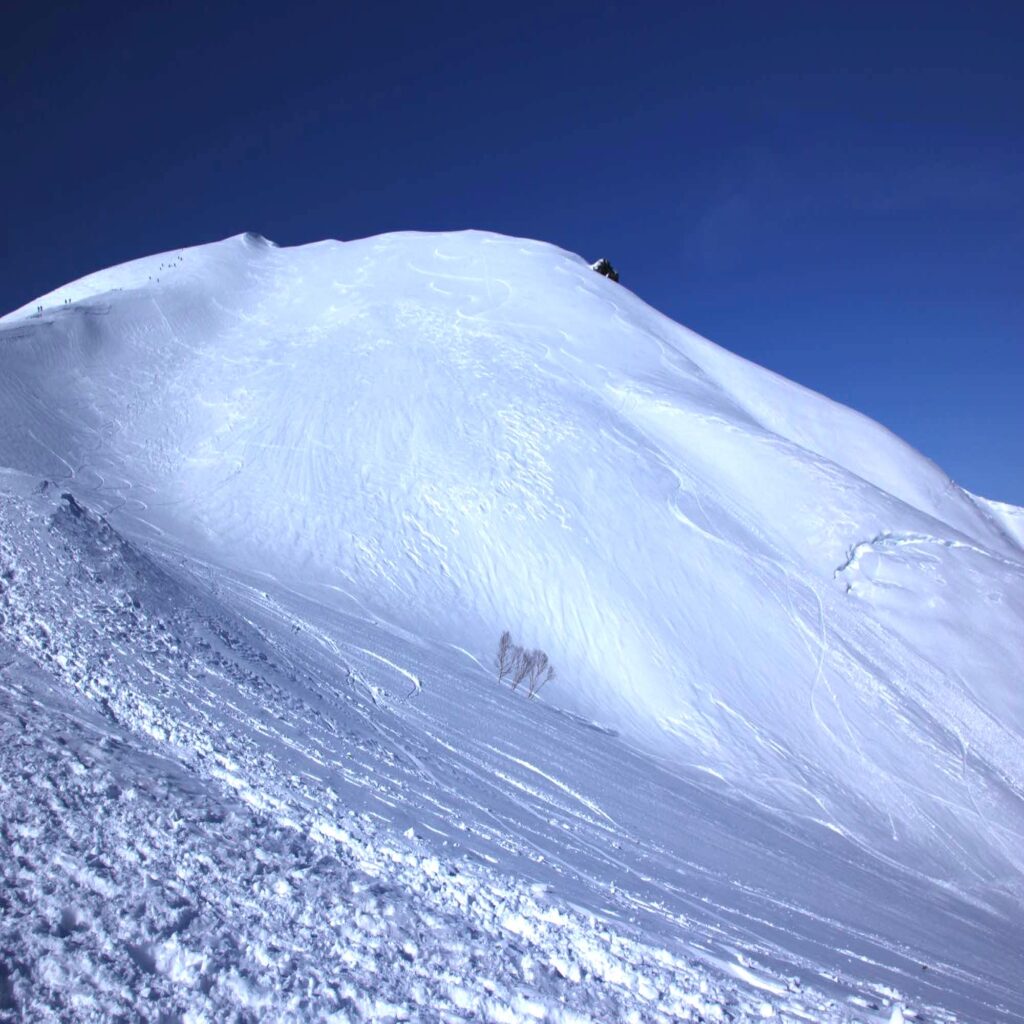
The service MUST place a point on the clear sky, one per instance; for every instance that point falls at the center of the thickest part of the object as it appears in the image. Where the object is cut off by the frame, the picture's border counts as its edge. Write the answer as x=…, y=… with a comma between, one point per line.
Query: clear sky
x=835, y=191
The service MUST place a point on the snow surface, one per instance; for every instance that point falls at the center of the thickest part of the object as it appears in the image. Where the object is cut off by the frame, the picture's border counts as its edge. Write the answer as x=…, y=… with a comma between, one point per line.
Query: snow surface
x=254, y=757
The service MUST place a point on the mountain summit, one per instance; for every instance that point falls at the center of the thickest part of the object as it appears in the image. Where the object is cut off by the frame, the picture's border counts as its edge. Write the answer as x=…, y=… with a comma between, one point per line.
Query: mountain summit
x=455, y=434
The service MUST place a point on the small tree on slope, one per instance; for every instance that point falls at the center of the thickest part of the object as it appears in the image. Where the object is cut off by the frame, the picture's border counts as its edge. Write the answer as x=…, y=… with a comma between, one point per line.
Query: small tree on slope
x=521, y=666
x=541, y=673
x=506, y=656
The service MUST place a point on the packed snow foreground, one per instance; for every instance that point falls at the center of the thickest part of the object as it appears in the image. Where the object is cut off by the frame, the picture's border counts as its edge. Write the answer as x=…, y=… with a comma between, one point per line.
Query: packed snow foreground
x=264, y=514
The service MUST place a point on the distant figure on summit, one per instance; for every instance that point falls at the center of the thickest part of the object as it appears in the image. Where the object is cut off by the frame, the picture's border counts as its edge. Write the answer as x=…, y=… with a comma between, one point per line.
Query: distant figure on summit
x=603, y=266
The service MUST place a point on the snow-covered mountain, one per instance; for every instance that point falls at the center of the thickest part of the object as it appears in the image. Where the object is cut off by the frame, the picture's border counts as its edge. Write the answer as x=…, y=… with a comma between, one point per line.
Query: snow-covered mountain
x=311, y=486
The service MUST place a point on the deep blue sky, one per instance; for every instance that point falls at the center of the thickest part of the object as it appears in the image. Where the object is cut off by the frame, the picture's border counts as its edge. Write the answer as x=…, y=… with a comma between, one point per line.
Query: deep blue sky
x=834, y=191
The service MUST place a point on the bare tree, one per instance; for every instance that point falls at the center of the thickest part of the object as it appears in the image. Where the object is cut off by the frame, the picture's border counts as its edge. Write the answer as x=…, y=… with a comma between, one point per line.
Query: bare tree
x=538, y=663
x=540, y=672
x=522, y=665
x=541, y=680
x=506, y=656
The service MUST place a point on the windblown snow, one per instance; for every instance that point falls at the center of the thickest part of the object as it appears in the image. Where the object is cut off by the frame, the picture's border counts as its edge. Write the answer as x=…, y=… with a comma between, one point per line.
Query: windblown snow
x=264, y=513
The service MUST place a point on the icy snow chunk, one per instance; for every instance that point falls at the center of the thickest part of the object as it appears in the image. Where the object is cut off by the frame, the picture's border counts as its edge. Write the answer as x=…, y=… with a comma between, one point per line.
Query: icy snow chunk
x=180, y=964
x=518, y=925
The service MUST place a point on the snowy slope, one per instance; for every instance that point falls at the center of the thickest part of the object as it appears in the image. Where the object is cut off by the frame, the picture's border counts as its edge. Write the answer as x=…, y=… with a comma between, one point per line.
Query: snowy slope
x=229, y=805
x=382, y=453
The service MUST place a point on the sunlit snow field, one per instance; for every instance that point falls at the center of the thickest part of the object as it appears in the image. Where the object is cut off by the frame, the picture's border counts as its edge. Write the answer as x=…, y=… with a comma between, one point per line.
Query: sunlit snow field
x=264, y=515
